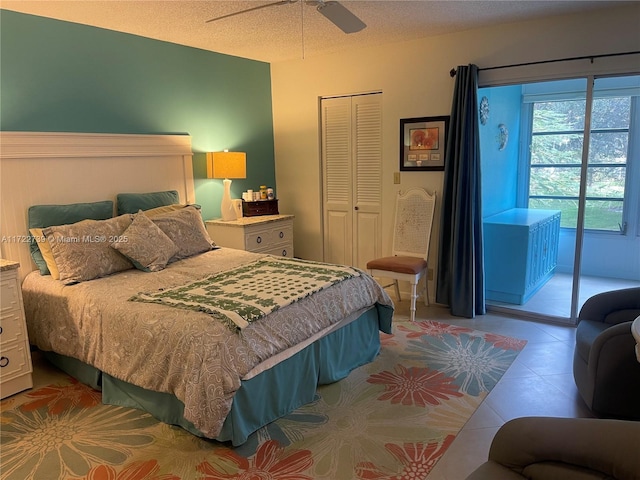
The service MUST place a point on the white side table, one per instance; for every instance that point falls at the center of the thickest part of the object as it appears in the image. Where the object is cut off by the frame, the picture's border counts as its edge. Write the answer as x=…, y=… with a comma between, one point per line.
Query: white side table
x=15, y=357
x=261, y=234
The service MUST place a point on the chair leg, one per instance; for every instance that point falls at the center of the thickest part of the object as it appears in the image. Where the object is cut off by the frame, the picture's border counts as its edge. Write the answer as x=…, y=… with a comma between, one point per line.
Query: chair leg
x=414, y=297
x=427, y=302
x=397, y=288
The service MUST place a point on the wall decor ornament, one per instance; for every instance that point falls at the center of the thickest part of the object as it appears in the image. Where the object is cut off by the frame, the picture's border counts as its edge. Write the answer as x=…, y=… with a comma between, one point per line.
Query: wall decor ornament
x=484, y=110
x=422, y=143
x=503, y=136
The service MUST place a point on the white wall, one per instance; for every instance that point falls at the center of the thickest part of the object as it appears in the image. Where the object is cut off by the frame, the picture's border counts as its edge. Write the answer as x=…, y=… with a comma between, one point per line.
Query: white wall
x=414, y=78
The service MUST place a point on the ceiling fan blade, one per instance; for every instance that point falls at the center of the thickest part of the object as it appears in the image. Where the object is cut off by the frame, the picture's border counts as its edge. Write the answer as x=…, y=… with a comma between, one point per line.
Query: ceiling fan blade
x=260, y=7
x=341, y=17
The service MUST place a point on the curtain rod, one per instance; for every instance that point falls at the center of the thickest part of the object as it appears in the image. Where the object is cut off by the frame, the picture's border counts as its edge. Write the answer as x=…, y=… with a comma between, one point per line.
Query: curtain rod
x=452, y=72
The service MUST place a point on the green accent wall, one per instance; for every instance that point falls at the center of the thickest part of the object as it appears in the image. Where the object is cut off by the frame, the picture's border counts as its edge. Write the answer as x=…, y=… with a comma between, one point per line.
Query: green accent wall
x=64, y=77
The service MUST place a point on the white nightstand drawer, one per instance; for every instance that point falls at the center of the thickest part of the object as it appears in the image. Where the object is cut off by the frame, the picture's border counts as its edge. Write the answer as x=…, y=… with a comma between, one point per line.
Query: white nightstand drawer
x=11, y=326
x=281, y=251
x=9, y=295
x=266, y=238
x=282, y=235
x=258, y=240
x=11, y=320
x=14, y=361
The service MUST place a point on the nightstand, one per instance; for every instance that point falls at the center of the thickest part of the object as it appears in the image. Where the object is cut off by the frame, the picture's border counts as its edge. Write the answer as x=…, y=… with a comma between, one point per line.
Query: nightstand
x=262, y=234
x=15, y=357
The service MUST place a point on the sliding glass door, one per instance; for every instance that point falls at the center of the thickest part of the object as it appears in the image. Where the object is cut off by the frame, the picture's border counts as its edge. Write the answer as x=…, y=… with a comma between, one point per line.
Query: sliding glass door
x=561, y=170
x=610, y=256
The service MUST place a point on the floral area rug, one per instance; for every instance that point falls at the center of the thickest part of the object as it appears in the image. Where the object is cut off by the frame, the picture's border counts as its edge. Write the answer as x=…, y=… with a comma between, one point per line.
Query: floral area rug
x=390, y=419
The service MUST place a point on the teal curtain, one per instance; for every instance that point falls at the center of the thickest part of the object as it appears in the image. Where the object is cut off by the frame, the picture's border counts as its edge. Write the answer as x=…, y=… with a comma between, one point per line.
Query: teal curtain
x=461, y=263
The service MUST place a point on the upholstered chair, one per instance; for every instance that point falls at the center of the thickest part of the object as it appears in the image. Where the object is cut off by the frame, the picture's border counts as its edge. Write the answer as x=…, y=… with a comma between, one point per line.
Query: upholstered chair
x=409, y=260
x=605, y=367
x=549, y=448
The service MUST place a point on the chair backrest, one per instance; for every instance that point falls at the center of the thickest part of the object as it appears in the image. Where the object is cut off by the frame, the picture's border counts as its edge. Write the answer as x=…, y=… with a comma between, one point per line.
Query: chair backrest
x=413, y=221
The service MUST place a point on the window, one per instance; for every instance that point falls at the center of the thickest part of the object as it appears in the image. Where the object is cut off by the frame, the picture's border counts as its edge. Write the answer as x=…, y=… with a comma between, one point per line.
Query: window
x=557, y=129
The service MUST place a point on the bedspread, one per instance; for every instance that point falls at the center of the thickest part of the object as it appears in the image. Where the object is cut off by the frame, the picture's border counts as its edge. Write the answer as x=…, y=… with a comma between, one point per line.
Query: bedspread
x=178, y=351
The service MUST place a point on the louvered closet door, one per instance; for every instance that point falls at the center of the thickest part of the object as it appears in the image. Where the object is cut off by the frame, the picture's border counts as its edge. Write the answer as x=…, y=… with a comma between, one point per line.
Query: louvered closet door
x=352, y=178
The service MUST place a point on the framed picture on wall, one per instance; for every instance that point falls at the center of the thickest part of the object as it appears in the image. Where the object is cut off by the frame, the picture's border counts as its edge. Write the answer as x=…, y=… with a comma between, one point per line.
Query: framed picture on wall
x=422, y=143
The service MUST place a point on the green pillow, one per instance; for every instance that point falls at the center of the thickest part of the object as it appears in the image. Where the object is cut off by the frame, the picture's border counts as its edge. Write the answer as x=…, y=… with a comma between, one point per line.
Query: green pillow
x=133, y=202
x=42, y=216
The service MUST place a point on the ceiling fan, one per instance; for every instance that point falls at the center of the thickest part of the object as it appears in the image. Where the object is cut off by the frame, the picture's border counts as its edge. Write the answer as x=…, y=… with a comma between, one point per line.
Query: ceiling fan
x=336, y=13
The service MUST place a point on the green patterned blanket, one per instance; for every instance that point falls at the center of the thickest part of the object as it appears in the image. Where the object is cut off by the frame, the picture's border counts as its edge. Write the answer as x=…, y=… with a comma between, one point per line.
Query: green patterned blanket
x=247, y=293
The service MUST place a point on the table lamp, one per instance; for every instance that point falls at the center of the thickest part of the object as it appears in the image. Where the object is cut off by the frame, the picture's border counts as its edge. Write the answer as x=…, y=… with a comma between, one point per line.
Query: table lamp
x=227, y=165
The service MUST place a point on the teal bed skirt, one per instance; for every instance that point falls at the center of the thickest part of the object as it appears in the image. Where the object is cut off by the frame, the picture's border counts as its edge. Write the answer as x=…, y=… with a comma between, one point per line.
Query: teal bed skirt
x=280, y=389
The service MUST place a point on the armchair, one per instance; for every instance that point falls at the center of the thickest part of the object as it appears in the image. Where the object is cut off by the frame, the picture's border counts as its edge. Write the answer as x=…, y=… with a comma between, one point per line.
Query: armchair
x=547, y=448
x=605, y=367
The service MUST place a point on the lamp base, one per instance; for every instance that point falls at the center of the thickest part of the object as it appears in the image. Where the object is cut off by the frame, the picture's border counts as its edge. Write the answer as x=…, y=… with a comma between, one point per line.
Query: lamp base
x=226, y=207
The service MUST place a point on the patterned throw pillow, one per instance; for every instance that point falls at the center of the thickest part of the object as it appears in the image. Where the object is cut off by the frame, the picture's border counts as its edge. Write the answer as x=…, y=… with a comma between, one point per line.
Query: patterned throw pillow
x=82, y=251
x=186, y=229
x=148, y=247
x=42, y=216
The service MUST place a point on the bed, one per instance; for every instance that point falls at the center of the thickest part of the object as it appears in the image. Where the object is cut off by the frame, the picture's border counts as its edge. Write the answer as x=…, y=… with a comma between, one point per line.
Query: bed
x=182, y=338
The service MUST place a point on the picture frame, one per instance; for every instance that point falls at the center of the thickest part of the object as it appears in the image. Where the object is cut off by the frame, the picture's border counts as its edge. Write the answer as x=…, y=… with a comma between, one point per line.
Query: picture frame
x=422, y=143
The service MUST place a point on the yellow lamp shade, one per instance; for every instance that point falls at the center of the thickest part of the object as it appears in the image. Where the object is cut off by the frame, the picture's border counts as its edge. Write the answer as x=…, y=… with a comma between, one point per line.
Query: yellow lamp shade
x=226, y=165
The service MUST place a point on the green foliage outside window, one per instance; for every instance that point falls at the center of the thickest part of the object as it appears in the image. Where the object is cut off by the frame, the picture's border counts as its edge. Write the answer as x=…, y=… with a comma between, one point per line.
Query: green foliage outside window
x=556, y=157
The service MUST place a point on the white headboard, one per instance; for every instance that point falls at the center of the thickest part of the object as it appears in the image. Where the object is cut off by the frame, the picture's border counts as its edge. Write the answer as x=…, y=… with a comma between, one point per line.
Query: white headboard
x=59, y=168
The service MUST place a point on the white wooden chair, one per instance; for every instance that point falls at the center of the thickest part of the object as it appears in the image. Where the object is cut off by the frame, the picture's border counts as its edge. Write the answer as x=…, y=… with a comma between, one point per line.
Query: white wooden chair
x=410, y=251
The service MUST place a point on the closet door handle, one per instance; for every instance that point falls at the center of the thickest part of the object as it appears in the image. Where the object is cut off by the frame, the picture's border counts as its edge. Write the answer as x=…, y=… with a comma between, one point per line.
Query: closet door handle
x=4, y=361
x=356, y=208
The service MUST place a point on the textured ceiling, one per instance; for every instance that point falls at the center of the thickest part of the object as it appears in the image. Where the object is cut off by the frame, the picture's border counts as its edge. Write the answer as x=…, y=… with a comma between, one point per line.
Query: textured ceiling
x=295, y=30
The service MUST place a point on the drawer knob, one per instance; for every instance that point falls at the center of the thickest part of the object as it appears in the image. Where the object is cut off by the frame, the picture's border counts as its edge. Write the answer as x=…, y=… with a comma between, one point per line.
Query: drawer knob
x=259, y=240
x=0, y=330
x=4, y=361
x=281, y=234
x=284, y=253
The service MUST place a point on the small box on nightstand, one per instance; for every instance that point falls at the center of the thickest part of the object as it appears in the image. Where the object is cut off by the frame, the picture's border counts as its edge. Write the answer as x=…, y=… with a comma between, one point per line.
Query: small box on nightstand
x=259, y=207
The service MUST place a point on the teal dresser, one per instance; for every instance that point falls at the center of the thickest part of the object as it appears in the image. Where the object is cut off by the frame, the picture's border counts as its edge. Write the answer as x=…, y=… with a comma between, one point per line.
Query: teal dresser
x=520, y=253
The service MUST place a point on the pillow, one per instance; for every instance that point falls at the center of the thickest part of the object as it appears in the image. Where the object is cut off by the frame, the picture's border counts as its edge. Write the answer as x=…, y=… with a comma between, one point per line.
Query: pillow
x=152, y=212
x=82, y=251
x=45, y=252
x=186, y=229
x=148, y=247
x=132, y=202
x=41, y=216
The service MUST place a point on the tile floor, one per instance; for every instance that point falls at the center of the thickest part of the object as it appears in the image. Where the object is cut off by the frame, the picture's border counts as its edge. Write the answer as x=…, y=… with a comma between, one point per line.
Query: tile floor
x=539, y=383
x=554, y=298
